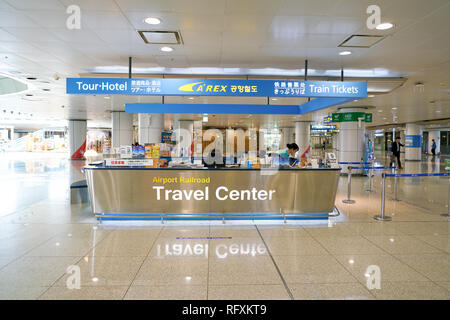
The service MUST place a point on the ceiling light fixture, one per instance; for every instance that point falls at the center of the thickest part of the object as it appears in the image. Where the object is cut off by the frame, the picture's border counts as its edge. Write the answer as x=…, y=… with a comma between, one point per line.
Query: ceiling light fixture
x=152, y=20
x=166, y=49
x=345, y=53
x=384, y=26
x=371, y=95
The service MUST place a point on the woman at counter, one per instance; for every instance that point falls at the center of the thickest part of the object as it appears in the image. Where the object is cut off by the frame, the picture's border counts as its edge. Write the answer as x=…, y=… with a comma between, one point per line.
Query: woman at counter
x=292, y=149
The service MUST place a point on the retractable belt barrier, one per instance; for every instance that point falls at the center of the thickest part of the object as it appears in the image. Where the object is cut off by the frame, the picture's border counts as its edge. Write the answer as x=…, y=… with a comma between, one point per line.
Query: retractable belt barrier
x=354, y=163
x=349, y=181
x=418, y=175
x=382, y=217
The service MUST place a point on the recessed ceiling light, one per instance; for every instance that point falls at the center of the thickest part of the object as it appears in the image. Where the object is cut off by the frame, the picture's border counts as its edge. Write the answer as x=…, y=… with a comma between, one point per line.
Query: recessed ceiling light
x=152, y=20
x=384, y=26
x=166, y=49
x=106, y=97
x=191, y=98
x=438, y=111
x=345, y=53
x=274, y=99
x=394, y=108
x=371, y=95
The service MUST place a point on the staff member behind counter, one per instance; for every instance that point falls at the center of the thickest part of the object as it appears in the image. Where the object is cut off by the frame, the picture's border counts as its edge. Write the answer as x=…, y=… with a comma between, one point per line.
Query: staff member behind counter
x=291, y=152
x=292, y=149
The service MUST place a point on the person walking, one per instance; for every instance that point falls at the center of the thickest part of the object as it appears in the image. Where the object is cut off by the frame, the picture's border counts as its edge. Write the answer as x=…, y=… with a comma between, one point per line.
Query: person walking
x=433, y=147
x=396, y=150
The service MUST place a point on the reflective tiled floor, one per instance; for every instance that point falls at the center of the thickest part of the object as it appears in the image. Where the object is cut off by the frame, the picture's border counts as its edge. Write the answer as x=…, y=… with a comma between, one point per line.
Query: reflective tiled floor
x=349, y=257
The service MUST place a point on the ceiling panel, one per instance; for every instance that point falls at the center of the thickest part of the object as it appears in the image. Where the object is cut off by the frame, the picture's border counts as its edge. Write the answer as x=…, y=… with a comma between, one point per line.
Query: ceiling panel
x=81, y=36
x=106, y=20
x=32, y=34
x=15, y=20
x=204, y=6
x=199, y=21
x=89, y=5
x=253, y=6
x=119, y=37
x=49, y=18
x=145, y=5
x=36, y=5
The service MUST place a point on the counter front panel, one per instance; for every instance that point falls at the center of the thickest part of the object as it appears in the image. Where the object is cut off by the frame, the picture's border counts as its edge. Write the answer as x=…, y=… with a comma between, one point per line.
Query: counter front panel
x=130, y=190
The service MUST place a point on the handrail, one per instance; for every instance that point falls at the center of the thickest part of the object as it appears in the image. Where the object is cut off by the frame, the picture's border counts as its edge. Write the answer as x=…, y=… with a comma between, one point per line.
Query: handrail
x=101, y=216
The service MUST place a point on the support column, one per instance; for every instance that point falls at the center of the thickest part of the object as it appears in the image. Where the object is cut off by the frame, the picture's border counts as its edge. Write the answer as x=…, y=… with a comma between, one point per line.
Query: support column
x=303, y=137
x=122, y=128
x=402, y=139
x=150, y=127
x=198, y=139
x=334, y=141
x=287, y=136
x=413, y=142
x=351, y=138
x=436, y=135
x=77, y=138
x=189, y=126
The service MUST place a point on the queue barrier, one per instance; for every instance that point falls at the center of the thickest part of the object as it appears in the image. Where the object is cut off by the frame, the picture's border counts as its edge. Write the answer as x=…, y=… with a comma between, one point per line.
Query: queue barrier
x=349, y=181
x=382, y=217
x=354, y=162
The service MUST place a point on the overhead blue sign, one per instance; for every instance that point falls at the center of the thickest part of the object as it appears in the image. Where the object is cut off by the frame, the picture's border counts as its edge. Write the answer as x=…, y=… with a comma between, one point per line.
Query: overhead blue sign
x=217, y=87
x=175, y=108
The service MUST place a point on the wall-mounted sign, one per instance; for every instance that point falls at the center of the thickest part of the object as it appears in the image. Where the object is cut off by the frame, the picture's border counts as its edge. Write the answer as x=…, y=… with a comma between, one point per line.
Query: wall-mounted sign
x=323, y=127
x=166, y=137
x=327, y=119
x=413, y=141
x=217, y=87
x=351, y=117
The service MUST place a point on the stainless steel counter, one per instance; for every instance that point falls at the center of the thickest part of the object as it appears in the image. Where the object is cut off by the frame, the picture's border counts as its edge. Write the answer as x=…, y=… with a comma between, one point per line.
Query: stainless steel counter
x=222, y=191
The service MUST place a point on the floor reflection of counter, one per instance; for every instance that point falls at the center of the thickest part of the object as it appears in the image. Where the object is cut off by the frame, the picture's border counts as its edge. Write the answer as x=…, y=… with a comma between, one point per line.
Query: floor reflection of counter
x=129, y=191
x=220, y=250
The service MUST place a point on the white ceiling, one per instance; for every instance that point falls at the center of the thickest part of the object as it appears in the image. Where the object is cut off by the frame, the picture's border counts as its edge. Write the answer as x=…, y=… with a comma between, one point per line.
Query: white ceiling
x=246, y=34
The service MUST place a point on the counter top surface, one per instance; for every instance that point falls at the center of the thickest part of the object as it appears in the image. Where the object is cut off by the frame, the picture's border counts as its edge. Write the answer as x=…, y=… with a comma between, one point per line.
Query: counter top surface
x=207, y=169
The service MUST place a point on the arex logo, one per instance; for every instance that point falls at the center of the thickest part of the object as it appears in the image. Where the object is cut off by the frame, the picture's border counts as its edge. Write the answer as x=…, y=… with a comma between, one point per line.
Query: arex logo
x=201, y=87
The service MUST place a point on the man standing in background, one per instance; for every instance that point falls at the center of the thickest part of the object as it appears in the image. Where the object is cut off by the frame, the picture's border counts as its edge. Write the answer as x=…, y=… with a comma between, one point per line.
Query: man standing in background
x=396, y=151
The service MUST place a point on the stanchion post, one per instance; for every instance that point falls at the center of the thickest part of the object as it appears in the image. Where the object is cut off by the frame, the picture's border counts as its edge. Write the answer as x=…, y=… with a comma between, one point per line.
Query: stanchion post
x=370, y=179
x=382, y=217
x=448, y=203
x=349, y=187
x=395, y=198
